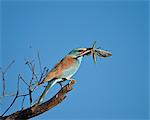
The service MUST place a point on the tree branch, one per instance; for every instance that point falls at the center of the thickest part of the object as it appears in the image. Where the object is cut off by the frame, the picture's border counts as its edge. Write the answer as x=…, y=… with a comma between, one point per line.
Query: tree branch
x=38, y=109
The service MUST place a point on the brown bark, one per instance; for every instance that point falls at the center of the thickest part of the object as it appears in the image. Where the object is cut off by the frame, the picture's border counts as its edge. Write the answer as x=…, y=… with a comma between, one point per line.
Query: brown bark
x=43, y=107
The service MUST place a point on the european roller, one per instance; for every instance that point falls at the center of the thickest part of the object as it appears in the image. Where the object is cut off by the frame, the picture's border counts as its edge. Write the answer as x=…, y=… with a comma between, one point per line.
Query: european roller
x=67, y=67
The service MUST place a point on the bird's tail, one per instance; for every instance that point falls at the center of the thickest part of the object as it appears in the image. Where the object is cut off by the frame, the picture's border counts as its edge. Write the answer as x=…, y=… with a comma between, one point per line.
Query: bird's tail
x=49, y=85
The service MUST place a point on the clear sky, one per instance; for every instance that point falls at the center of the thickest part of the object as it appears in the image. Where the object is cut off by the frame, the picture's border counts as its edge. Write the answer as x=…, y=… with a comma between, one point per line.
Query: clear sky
x=115, y=87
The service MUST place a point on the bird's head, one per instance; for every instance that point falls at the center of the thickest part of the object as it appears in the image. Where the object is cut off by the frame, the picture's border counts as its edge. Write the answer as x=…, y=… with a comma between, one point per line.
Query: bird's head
x=79, y=52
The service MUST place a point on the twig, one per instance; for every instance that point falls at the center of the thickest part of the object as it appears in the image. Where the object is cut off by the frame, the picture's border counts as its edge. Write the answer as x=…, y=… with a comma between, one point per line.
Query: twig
x=23, y=95
x=39, y=60
x=22, y=103
x=21, y=78
x=44, y=73
x=13, y=99
x=6, y=69
x=30, y=96
x=32, y=69
x=3, y=72
x=4, y=85
x=8, y=95
x=11, y=104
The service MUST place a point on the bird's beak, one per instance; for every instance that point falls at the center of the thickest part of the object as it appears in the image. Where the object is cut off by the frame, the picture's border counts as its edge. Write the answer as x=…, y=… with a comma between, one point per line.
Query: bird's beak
x=87, y=51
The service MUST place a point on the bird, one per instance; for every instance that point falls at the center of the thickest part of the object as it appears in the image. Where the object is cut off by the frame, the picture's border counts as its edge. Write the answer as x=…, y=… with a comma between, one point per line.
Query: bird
x=68, y=66
x=64, y=70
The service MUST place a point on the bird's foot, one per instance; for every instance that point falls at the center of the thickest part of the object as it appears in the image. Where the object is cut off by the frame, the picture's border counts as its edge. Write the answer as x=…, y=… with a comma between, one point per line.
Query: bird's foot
x=69, y=79
x=72, y=80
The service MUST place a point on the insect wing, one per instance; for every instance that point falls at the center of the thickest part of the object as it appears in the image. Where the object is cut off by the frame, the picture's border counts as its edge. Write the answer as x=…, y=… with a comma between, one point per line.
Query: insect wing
x=103, y=53
x=94, y=56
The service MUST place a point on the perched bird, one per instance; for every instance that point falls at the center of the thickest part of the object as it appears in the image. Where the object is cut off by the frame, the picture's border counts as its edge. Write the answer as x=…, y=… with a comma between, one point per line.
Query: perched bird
x=69, y=65
x=64, y=70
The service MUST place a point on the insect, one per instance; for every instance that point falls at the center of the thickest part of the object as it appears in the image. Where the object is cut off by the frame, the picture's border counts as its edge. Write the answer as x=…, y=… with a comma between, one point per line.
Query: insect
x=97, y=52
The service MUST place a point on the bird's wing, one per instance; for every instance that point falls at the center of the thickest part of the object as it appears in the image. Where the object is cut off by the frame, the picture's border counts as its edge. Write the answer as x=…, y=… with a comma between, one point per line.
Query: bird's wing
x=57, y=71
x=54, y=73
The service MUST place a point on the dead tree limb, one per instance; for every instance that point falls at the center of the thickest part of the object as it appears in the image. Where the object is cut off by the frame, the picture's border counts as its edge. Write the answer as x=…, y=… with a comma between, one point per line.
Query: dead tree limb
x=36, y=110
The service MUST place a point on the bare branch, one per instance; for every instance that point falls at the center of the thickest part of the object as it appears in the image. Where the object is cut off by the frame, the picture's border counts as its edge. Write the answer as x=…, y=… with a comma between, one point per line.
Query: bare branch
x=30, y=96
x=32, y=69
x=4, y=85
x=17, y=93
x=3, y=72
x=11, y=104
x=6, y=69
x=21, y=78
x=38, y=109
x=22, y=107
x=44, y=73
x=24, y=95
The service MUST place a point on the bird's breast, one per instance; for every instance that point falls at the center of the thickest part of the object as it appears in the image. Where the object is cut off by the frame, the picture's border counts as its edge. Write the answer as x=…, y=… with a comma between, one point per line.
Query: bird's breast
x=72, y=67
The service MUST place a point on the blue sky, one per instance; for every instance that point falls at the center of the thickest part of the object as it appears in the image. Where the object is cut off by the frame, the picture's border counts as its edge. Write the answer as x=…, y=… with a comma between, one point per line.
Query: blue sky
x=114, y=88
